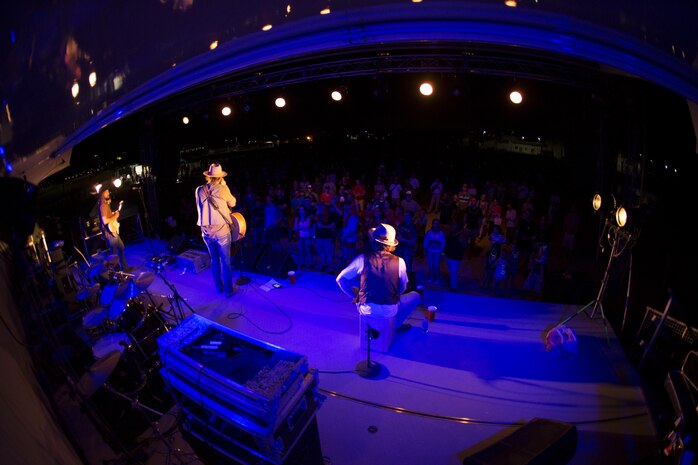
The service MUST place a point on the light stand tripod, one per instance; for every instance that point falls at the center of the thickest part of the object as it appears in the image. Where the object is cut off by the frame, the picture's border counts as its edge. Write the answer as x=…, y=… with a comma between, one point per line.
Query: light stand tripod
x=242, y=279
x=616, y=235
x=176, y=299
x=367, y=368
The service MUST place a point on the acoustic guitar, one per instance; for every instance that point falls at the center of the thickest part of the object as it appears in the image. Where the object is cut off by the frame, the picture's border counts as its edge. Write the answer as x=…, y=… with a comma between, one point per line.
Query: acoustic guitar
x=238, y=226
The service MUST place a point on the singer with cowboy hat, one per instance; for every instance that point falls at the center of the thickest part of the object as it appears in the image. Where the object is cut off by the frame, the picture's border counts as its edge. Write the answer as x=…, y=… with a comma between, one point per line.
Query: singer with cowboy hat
x=213, y=203
x=382, y=279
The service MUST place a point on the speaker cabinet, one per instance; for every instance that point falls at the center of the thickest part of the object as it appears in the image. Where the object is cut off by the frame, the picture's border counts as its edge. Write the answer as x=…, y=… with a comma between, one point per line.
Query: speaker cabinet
x=177, y=244
x=538, y=442
x=275, y=263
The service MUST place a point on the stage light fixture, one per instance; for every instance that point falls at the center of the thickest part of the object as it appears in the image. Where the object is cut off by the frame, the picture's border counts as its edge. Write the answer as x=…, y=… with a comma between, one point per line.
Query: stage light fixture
x=226, y=111
x=117, y=182
x=75, y=90
x=596, y=202
x=325, y=11
x=516, y=97
x=213, y=45
x=426, y=89
x=266, y=27
x=98, y=187
x=336, y=95
x=92, y=78
x=621, y=216
x=280, y=102
x=185, y=120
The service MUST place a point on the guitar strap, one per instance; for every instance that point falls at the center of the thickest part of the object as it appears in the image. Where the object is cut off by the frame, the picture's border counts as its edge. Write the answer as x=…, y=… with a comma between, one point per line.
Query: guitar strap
x=213, y=204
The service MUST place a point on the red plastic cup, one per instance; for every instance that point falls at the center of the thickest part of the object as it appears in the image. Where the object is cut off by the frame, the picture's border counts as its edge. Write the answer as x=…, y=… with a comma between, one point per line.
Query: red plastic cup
x=292, y=277
x=431, y=312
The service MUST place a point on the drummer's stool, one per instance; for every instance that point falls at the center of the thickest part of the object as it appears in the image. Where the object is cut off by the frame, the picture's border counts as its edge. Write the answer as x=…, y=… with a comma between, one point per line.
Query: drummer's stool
x=385, y=328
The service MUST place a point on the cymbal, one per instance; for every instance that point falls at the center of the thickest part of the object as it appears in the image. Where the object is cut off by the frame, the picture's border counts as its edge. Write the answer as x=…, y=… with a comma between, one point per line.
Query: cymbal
x=144, y=279
x=98, y=374
x=87, y=292
x=96, y=267
x=134, y=286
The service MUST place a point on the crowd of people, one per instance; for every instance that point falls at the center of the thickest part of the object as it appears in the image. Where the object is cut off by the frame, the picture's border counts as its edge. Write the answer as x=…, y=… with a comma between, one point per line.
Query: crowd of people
x=486, y=235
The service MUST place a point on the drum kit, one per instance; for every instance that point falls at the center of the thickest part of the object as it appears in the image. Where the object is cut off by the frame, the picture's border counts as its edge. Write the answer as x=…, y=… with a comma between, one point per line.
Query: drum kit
x=121, y=388
x=122, y=323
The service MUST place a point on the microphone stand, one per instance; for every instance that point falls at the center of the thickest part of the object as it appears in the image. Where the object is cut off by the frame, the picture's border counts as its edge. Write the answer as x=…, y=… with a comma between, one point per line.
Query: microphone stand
x=148, y=228
x=242, y=279
x=176, y=298
x=367, y=368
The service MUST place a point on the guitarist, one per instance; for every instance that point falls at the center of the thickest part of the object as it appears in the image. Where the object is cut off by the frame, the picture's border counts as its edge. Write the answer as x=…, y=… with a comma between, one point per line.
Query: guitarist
x=213, y=203
x=109, y=224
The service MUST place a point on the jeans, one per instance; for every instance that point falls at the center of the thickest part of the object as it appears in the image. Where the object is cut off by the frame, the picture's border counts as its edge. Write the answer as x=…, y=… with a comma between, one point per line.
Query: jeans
x=116, y=245
x=218, y=244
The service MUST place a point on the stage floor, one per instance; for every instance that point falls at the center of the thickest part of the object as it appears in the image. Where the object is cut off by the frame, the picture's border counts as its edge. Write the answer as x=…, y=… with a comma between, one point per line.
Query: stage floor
x=476, y=373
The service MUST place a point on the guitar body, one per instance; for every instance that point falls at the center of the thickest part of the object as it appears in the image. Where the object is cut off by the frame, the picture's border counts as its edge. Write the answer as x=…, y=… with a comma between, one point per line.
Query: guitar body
x=238, y=226
x=114, y=227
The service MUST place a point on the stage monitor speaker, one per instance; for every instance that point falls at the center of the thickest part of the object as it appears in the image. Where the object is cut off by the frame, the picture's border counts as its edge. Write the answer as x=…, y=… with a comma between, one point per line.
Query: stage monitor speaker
x=246, y=257
x=177, y=244
x=538, y=442
x=275, y=263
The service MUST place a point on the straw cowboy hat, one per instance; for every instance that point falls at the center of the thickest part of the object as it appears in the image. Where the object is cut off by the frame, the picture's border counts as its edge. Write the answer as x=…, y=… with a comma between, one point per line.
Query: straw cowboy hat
x=215, y=171
x=384, y=234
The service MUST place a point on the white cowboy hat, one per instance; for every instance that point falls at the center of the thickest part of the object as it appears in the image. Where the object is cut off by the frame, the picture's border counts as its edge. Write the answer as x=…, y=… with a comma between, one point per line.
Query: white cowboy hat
x=384, y=234
x=215, y=171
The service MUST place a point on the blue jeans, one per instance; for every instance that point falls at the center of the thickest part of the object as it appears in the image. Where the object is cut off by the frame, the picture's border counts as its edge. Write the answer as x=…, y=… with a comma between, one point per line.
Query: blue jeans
x=116, y=245
x=218, y=245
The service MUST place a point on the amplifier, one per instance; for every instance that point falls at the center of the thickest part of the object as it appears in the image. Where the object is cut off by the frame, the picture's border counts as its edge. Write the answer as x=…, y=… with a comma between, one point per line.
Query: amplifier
x=193, y=261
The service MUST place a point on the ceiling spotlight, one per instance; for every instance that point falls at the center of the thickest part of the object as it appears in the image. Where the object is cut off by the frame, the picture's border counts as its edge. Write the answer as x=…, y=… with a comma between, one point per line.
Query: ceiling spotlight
x=280, y=102
x=213, y=45
x=185, y=120
x=510, y=3
x=516, y=97
x=325, y=11
x=426, y=89
x=266, y=27
x=336, y=95
x=226, y=111
x=98, y=187
x=75, y=90
x=117, y=182
x=596, y=202
x=92, y=78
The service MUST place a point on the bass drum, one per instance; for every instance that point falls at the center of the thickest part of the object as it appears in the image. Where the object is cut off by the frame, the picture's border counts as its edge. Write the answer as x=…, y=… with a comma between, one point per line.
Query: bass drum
x=144, y=335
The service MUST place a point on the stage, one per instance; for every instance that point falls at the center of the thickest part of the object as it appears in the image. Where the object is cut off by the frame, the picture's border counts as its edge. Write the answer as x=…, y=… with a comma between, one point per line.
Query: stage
x=445, y=390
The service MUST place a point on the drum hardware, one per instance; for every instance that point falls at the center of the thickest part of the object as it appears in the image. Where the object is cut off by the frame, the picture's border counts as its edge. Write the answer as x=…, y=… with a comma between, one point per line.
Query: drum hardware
x=134, y=285
x=97, y=374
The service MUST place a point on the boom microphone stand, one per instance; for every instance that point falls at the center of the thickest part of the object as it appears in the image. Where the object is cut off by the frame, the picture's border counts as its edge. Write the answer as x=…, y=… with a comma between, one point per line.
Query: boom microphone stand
x=148, y=228
x=176, y=299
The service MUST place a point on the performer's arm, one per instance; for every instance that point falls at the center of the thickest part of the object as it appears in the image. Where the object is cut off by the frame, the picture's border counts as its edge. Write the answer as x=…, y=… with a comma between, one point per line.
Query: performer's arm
x=107, y=215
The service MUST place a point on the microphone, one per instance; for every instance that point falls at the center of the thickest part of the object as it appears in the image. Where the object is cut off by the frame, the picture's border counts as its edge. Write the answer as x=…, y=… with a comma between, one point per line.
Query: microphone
x=372, y=333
